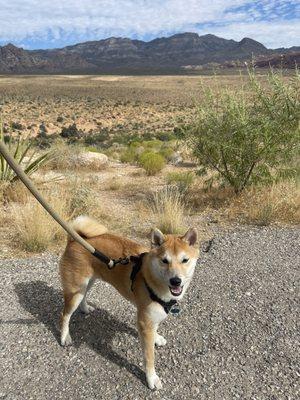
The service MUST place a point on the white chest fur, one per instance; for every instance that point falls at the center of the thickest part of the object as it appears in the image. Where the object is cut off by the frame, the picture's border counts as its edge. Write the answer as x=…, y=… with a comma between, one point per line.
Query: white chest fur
x=156, y=313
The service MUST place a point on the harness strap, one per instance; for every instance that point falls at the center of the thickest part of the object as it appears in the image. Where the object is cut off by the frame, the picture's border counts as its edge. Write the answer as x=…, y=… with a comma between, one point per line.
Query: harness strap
x=137, y=264
x=166, y=305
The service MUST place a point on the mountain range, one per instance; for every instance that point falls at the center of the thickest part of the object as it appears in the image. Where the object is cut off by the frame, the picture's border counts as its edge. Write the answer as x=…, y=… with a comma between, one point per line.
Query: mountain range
x=173, y=54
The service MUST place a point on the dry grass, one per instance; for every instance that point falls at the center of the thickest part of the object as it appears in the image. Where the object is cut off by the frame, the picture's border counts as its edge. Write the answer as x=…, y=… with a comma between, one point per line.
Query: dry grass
x=279, y=203
x=64, y=157
x=115, y=184
x=168, y=209
x=35, y=230
x=15, y=192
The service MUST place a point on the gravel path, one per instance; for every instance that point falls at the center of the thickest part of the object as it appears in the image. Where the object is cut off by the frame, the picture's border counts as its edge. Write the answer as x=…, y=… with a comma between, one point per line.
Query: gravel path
x=236, y=338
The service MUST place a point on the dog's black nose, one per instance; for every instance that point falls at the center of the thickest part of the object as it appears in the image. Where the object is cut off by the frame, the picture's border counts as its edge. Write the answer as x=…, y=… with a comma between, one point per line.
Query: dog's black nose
x=175, y=281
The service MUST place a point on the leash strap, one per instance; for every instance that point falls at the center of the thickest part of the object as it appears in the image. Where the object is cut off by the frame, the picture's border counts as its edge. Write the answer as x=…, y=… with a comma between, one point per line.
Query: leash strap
x=31, y=187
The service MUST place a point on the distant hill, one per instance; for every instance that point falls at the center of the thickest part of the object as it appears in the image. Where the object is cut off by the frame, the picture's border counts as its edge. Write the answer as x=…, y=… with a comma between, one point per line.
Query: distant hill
x=177, y=53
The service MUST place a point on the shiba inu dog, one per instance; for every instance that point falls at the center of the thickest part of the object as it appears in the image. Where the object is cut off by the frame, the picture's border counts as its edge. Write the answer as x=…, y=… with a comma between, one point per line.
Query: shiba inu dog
x=153, y=280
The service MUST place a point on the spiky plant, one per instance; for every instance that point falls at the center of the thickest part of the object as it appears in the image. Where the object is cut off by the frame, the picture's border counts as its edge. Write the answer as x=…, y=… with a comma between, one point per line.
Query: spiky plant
x=20, y=150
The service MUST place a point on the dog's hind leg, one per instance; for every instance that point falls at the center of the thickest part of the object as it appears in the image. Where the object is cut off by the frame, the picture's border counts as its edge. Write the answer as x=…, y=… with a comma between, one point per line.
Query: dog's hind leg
x=84, y=306
x=72, y=301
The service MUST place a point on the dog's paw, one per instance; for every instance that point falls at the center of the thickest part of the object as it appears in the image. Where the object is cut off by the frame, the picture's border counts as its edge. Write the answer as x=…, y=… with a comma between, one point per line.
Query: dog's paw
x=160, y=340
x=153, y=381
x=86, y=308
x=67, y=341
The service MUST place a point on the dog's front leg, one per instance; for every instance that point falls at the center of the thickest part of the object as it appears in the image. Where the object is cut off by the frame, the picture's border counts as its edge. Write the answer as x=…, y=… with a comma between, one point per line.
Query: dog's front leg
x=147, y=334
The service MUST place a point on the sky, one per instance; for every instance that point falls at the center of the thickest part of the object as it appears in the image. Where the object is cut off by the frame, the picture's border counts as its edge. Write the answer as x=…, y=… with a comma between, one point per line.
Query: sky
x=37, y=24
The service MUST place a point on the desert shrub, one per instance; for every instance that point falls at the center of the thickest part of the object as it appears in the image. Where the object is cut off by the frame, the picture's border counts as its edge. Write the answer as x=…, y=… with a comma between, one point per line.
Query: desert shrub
x=151, y=144
x=167, y=209
x=166, y=152
x=165, y=136
x=64, y=157
x=126, y=138
x=96, y=138
x=182, y=180
x=17, y=126
x=82, y=200
x=129, y=156
x=115, y=184
x=151, y=162
x=44, y=141
x=247, y=137
x=71, y=132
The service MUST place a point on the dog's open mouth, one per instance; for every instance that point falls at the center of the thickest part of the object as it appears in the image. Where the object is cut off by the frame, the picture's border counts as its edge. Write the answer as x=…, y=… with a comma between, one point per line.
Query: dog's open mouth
x=176, y=290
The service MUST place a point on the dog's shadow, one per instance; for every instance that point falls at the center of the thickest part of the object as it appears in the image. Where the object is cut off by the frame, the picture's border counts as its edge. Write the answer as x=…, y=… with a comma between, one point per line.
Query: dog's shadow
x=97, y=330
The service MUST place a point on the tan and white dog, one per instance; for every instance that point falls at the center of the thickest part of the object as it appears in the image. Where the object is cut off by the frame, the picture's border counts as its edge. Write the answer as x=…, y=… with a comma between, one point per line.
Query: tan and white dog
x=165, y=274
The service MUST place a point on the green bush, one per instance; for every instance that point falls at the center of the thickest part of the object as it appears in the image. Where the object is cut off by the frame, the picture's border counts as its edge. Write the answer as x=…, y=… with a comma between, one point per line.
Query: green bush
x=151, y=162
x=166, y=152
x=129, y=155
x=250, y=136
x=182, y=180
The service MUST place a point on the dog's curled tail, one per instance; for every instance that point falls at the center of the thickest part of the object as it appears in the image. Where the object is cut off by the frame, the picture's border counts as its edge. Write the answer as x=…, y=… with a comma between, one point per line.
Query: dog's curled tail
x=87, y=227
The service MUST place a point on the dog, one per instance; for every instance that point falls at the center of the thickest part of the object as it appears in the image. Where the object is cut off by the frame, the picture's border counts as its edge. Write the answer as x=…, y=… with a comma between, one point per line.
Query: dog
x=165, y=272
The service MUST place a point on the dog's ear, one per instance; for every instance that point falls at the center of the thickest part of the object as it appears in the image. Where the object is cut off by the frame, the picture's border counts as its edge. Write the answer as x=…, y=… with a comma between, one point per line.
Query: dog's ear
x=157, y=238
x=190, y=236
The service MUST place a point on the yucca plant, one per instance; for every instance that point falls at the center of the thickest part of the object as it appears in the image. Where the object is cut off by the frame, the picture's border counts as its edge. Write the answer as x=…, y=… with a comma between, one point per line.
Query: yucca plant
x=19, y=150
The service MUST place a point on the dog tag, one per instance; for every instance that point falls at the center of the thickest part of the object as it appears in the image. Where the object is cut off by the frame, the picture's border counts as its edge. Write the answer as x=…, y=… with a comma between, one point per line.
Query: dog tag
x=175, y=310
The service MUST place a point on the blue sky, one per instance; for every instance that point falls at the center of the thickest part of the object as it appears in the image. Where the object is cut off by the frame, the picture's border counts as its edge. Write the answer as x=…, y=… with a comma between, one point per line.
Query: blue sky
x=36, y=24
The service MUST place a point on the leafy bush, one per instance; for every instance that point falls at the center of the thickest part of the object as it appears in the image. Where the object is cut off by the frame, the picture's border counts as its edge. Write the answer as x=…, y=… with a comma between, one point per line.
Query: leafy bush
x=182, y=180
x=151, y=162
x=247, y=137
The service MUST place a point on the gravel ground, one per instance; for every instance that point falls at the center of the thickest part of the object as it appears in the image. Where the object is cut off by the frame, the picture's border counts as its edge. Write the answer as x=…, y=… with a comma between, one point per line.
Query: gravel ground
x=236, y=337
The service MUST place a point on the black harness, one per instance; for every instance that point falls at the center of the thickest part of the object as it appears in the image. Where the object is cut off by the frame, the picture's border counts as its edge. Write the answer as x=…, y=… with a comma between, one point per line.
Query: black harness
x=136, y=266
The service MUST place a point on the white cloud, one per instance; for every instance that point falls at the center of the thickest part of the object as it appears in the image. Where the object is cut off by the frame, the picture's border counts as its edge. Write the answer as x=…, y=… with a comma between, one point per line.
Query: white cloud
x=38, y=20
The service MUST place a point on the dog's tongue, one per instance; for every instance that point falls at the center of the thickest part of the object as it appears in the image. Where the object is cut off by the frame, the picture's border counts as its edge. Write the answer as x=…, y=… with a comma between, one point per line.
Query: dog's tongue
x=176, y=289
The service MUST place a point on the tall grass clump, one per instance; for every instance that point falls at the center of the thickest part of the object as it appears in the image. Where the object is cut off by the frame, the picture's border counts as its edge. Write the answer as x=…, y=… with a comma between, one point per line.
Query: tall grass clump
x=248, y=137
x=167, y=208
x=35, y=229
x=182, y=180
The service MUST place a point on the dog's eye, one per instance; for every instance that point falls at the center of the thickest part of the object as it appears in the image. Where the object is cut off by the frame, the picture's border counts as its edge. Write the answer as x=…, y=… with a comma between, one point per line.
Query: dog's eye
x=165, y=261
x=185, y=260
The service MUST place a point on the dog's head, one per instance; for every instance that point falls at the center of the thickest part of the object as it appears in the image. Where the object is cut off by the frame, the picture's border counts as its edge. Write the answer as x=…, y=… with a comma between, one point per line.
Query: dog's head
x=172, y=262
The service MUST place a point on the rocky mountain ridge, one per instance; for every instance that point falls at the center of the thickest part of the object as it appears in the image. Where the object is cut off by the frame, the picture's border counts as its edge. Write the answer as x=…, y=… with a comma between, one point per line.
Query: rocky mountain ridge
x=123, y=55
